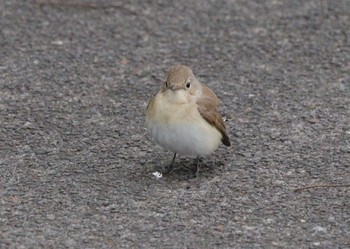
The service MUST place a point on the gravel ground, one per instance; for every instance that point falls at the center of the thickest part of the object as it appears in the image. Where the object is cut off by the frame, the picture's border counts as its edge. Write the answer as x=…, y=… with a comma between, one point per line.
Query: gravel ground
x=76, y=162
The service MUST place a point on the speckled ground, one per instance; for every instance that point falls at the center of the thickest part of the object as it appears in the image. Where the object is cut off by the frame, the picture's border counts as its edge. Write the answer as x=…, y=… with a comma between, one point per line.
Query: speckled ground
x=76, y=163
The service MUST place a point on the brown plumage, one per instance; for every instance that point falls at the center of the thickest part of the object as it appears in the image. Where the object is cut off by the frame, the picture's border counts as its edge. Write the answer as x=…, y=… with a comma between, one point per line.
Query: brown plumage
x=208, y=108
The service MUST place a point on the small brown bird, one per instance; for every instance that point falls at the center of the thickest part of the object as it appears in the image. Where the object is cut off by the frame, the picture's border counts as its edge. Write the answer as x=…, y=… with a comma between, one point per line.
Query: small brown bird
x=183, y=117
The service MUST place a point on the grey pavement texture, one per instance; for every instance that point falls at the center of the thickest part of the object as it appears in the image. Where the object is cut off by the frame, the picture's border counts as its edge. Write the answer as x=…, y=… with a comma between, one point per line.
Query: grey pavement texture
x=76, y=161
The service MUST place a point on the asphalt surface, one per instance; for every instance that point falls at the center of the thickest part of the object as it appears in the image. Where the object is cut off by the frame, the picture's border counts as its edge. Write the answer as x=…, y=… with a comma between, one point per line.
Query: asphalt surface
x=76, y=161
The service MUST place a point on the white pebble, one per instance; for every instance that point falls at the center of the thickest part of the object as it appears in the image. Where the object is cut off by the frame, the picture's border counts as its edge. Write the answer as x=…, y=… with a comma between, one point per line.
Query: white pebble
x=157, y=174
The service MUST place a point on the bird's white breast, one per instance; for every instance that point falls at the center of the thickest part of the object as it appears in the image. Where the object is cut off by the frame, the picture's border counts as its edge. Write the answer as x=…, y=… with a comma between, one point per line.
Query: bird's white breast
x=180, y=128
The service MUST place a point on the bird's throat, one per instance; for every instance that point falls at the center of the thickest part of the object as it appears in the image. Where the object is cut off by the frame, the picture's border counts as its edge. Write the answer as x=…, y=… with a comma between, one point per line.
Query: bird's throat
x=176, y=97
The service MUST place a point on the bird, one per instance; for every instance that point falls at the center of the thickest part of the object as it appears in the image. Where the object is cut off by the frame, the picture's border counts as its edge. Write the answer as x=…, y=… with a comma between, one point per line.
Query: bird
x=183, y=117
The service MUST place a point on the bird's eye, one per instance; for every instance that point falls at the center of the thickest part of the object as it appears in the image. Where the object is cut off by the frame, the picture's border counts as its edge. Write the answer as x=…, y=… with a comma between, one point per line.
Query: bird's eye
x=188, y=84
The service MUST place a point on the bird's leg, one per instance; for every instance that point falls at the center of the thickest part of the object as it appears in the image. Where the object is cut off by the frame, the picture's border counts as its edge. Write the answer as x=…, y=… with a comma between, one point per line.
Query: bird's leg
x=170, y=167
x=196, y=171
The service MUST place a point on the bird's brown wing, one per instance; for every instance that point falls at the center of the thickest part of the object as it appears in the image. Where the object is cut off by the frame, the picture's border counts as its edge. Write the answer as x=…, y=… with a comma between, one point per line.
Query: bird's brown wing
x=207, y=107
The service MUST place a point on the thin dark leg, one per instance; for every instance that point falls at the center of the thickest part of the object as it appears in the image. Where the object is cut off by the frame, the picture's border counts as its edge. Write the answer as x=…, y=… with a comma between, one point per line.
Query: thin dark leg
x=196, y=171
x=170, y=167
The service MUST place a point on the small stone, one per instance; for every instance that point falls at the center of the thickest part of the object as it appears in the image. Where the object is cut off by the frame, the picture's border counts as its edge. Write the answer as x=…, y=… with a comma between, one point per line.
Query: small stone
x=57, y=42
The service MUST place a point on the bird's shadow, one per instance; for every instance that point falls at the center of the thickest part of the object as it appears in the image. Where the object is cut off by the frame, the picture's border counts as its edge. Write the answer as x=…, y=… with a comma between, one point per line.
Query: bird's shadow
x=185, y=169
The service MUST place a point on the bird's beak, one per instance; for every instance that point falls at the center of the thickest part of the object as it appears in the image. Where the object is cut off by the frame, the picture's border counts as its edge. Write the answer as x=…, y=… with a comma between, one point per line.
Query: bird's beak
x=174, y=87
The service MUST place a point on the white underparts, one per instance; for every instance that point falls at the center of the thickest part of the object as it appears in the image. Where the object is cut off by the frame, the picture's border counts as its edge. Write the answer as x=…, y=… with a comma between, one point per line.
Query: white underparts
x=180, y=128
x=192, y=138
